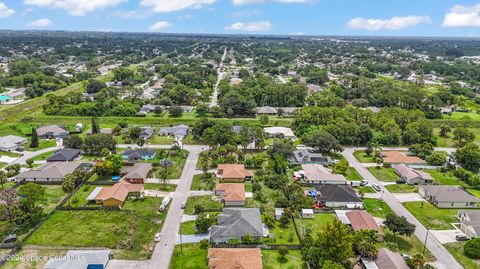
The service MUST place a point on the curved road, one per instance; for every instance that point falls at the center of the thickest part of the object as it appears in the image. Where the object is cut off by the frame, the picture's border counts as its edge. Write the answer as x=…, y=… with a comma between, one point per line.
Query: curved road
x=445, y=260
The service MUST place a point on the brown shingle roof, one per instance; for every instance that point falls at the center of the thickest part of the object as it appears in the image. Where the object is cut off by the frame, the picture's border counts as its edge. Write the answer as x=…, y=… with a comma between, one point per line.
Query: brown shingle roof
x=361, y=220
x=119, y=191
x=232, y=192
x=400, y=157
x=235, y=258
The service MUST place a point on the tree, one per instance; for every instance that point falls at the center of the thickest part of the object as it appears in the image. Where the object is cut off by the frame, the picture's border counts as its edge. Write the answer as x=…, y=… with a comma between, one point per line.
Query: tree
x=437, y=158
x=282, y=251
x=247, y=239
x=469, y=156
x=321, y=140
x=399, y=225
x=365, y=243
x=332, y=265
x=73, y=142
x=95, y=126
x=417, y=261
x=202, y=110
x=284, y=220
x=219, y=134
x=444, y=130
x=422, y=150
x=32, y=194
x=462, y=136
x=202, y=223
x=175, y=111
x=68, y=185
x=472, y=248
x=165, y=163
x=341, y=167
x=9, y=210
x=3, y=178
x=94, y=86
x=34, y=139
x=281, y=148
x=29, y=162
x=95, y=143
x=264, y=119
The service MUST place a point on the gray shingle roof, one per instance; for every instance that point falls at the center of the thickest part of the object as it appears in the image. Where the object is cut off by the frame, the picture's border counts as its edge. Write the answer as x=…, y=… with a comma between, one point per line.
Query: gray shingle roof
x=64, y=155
x=336, y=193
x=80, y=259
x=237, y=222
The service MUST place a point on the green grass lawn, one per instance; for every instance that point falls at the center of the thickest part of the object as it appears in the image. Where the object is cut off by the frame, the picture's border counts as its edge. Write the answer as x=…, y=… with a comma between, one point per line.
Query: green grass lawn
x=130, y=232
x=456, y=249
x=43, y=156
x=365, y=189
x=54, y=194
x=384, y=174
x=192, y=257
x=206, y=201
x=474, y=192
x=197, y=184
x=188, y=227
x=461, y=115
x=363, y=158
x=269, y=197
x=161, y=140
x=160, y=187
x=272, y=260
x=431, y=216
x=9, y=154
x=81, y=195
x=410, y=245
x=352, y=174
x=376, y=207
x=175, y=171
x=401, y=188
x=283, y=235
x=446, y=178
x=42, y=144
x=318, y=221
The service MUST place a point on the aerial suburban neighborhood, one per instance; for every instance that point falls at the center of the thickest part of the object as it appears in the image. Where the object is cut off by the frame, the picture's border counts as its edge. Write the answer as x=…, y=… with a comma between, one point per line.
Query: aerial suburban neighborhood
x=142, y=150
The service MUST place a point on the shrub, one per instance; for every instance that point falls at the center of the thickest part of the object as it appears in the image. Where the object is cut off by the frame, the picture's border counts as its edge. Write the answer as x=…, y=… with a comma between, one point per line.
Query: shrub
x=204, y=244
x=387, y=165
x=472, y=248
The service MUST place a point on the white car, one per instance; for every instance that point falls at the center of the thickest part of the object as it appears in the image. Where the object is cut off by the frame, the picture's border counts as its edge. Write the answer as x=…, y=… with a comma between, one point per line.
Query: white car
x=376, y=187
x=157, y=238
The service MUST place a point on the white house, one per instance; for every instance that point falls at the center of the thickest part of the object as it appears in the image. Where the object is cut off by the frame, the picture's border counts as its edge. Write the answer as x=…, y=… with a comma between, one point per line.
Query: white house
x=11, y=142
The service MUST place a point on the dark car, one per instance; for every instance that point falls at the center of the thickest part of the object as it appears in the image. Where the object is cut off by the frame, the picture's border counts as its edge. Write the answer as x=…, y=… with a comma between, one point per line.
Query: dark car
x=400, y=181
x=11, y=238
x=461, y=237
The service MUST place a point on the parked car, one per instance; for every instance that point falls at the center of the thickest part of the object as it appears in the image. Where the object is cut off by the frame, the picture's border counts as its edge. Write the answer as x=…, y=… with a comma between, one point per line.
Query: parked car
x=11, y=238
x=184, y=205
x=376, y=187
x=400, y=181
x=364, y=183
x=461, y=237
x=157, y=238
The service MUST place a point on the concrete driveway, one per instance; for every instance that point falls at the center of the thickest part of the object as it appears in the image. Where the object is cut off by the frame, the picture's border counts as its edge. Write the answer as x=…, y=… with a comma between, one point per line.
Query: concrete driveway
x=446, y=236
x=192, y=238
x=199, y=193
x=123, y=264
x=408, y=197
x=7, y=159
x=186, y=218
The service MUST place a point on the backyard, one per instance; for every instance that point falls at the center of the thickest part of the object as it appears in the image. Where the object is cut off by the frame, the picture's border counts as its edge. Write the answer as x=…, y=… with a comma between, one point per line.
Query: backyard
x=384, y=174
x=189, y=256
x=272, y=260
x=318, y=221
x=130, y=230
x=431, y=216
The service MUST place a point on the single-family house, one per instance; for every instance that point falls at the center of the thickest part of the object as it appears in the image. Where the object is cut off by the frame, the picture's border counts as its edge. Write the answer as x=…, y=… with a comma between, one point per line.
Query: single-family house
x=303, y=156
x=361, y=220
x=277, y=132
x=178, y=131
x=139, y=154
x=234, y=172
x=266, y=110
x=448, y=196
x=115, y=195
x=64, y=155
x=52, y=131
x=11, y=142
x=398, y=157
x=80, y=259
x=337, y=196
x=469, y=222
x=146, y=132
x=151, y=108
x=386, y=259
x=51, y=171
x=318, y=174
x=447, y=109
x=108, y=131
x=412, y=176
x=307, y=213
x=233, y=194
x=235, y=223
x=240, y=258
x=288, y=111
x=136, y=173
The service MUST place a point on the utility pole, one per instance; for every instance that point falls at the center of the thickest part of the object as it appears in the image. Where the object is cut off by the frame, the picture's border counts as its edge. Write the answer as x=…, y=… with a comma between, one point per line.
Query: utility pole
x=425, y=243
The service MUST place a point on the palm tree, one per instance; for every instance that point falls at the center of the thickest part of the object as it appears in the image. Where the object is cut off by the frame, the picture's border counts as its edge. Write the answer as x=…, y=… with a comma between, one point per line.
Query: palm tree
x=165, y=163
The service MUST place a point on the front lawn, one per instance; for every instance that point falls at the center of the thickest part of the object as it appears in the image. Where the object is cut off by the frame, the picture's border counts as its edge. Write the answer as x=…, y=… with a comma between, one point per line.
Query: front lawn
x=192, y=257
x=410, y=245
x=43, y=156
x=365, y=189
x=401, y=188
x=129, y=231
x=353, y=175
x=175, y=171
x=431, y=216
x=206, y=201
x=376, y=207
x=272, y=260
x=318, y=221
x=384, y=174
x=160, y=187
x=362, y=157
x=42, y=144
x=197, y=184
x=456, y=249
x=9, y=154
x=187, y=227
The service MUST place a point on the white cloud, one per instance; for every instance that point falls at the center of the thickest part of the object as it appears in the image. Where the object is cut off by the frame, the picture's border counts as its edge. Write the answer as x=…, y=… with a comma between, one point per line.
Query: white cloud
x=394, y=23
x=250, y=26
x=174, y=5
x=461, y=16
x=133, y=14
x=40, y=23
x=247, y=2
x=5, y=11
x=159, y=26
x=74, y=7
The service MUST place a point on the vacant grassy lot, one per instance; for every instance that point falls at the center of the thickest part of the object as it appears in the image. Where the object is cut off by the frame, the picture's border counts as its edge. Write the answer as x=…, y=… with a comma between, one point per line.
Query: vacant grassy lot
x=352, y=174
x=401, y=188
x=197, y=184
x=284, y=235
x=362, y=157
x=431, y=216
x=410, y=245
x=272, y=260
x=384, y=174
x=54, y=194
x=129, y=231
x=188, y=227
x=456, y=249
x=445, y=178
x=206, y=201
x=376, y=207
x=192, y=256
x=318, y=221
x=160, y=187
x=175, y=171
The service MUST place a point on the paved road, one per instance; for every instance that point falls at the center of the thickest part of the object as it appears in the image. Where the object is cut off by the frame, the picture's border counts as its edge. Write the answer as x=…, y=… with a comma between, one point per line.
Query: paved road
x=163, y=251
x=30, y=154
x=214, y=101
x=445, y=260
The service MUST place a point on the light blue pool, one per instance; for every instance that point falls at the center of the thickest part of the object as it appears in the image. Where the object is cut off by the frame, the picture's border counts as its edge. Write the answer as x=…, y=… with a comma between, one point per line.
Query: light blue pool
x=4, y=98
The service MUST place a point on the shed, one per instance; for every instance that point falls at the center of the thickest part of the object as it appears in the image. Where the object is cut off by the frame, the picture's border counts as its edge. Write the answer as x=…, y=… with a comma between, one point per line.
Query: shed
x=278, y=213
x=307, y=213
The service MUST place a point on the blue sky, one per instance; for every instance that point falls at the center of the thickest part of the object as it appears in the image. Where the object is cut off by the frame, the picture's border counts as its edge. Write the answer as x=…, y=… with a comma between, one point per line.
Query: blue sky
x=310, y=17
